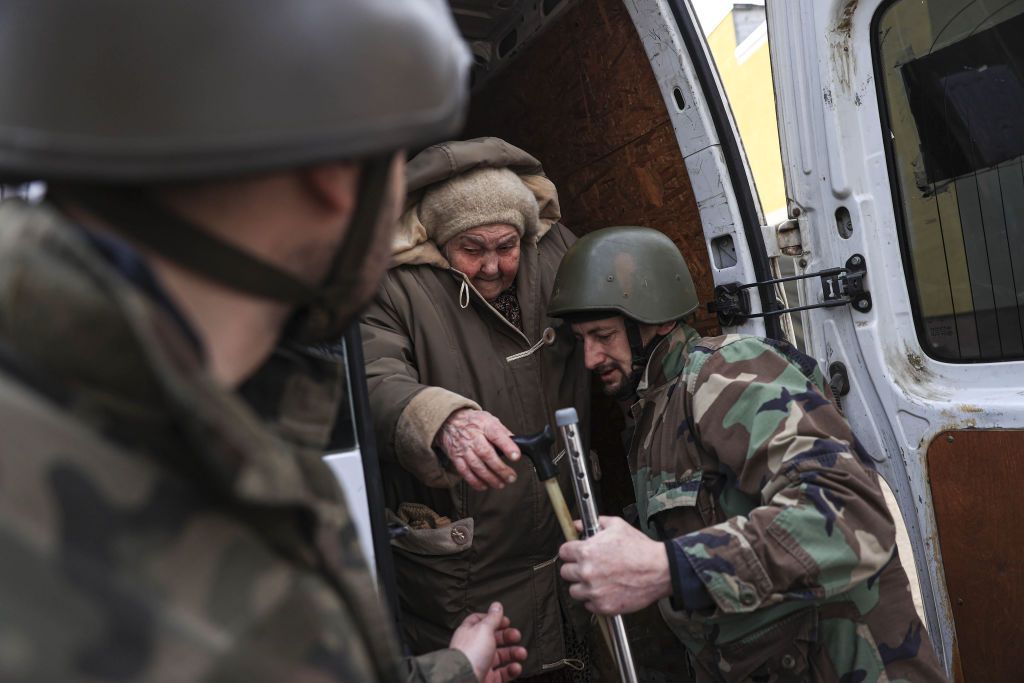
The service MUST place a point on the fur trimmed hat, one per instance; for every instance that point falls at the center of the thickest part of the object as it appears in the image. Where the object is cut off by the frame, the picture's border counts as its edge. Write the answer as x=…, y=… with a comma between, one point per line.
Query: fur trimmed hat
x=481, y=197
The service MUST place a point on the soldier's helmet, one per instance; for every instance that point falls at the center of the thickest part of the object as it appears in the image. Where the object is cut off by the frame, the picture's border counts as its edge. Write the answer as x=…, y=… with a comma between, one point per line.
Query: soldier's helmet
x=101, y=97
x=144, y=91
x=633, y=271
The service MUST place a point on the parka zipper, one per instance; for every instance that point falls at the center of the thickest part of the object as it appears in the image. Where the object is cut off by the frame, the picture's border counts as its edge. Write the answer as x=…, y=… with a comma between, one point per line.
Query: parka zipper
x=464, y=282
x=466, y=286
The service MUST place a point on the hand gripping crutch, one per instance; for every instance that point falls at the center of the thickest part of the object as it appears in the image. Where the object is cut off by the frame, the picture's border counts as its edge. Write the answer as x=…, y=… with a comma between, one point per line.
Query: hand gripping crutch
x=568, y=424
x=537, y=447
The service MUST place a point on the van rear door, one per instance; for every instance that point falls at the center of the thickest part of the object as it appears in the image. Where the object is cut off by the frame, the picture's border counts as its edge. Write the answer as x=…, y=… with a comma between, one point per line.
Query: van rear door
x=718, y=169
x=902, y=127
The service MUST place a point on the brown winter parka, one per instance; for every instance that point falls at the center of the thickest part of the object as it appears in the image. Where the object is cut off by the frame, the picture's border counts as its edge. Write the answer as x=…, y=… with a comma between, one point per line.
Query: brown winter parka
x=434, y=345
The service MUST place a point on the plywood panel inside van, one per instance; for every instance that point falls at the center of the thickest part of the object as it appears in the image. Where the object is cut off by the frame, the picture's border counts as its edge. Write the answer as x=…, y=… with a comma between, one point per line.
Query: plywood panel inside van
x=583, y=100
x=975, y=480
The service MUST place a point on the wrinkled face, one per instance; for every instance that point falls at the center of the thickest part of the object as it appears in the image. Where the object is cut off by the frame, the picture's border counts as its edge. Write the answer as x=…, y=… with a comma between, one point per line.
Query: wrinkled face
x=606, y=353
x=488, y=255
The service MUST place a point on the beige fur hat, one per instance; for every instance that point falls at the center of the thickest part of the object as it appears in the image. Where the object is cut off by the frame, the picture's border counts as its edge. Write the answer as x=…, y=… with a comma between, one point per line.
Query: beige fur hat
x=481, y=197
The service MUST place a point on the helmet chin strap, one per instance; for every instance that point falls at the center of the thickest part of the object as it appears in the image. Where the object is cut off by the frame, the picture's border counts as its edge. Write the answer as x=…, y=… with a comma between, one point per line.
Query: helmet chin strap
x=641, y=353
x=322, y=312
x=330, y=312
x=134, y=213
x=636, y=343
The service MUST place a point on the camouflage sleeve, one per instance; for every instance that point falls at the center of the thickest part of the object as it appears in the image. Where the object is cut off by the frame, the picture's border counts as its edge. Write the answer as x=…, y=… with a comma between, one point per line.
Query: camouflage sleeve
x=441, y=666
x=213, y=603
x=818, y=524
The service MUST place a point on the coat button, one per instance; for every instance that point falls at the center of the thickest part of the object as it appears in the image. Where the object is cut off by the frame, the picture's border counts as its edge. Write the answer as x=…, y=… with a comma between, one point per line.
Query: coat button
x=788, y=662
x=747, y=598
x=459, y=535
x=548, y=336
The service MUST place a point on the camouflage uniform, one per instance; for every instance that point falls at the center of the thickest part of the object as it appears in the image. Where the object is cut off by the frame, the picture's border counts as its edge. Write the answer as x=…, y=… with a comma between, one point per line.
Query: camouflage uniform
x=783, y=554
x=151, y=527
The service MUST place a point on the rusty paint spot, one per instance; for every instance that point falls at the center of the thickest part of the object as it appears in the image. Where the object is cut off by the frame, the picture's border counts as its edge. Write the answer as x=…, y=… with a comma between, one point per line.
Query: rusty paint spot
x=845, y=23
x=916, y=362
x=842, y=57
x=955, y=420
x=910, y=372
x=968, y=408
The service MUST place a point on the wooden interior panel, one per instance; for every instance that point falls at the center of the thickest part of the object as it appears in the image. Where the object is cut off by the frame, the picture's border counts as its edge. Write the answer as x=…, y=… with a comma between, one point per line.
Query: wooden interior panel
x=583, y=100
x=976, y=479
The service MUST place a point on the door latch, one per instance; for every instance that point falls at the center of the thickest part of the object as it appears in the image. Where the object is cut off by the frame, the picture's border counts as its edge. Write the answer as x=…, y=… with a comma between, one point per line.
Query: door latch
x=839, y=287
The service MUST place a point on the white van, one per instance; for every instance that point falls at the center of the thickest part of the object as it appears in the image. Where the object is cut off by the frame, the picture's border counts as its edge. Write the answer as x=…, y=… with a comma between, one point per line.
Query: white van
x=902, y=131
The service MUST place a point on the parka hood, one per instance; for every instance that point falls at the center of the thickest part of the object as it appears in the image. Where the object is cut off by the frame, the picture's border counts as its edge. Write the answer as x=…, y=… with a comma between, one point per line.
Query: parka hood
x=438, y=163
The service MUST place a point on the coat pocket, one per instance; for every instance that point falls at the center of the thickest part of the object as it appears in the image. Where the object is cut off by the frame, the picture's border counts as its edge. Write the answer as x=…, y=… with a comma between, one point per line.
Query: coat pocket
x=780, y=652
x=677, y=493
x=432, y=568
x=674, y=507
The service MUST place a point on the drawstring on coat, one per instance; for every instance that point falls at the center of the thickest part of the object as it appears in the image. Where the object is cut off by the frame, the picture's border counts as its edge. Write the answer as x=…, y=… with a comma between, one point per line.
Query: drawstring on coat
x=547, y=338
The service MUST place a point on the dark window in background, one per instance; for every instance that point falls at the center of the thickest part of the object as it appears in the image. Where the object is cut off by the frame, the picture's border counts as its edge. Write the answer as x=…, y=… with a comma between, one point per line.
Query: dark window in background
x=968, y=101
x=951, y=76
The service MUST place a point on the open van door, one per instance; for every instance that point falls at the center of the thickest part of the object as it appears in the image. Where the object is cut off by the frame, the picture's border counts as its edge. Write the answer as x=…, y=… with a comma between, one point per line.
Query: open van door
x=352, y=457
x=718, y=169
x=902, y=132
x=902, y=128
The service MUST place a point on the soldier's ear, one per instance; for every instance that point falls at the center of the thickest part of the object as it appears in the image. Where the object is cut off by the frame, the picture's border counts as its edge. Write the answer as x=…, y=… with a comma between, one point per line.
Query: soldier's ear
x=334, y=185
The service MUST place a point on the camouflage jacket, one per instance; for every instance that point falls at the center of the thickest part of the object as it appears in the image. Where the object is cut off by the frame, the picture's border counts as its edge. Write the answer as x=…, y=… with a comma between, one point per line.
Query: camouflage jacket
x=741, y=461
x=151, y=527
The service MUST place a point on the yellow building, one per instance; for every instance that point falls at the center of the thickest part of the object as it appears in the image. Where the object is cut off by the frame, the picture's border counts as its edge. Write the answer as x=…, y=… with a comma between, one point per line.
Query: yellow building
x=738, y=37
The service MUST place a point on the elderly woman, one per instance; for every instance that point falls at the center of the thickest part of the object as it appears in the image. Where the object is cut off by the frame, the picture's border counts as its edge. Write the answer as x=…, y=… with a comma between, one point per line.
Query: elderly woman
x=460, y=355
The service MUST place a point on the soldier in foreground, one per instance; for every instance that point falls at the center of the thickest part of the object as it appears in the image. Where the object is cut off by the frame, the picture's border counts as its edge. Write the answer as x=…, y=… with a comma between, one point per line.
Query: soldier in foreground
x=220, y=180
x=765, y=536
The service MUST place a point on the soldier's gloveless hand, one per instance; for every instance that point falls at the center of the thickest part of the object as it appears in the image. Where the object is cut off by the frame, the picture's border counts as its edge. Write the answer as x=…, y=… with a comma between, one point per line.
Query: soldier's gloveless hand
x=471, y=439
x=618, y=570
x=490, y=645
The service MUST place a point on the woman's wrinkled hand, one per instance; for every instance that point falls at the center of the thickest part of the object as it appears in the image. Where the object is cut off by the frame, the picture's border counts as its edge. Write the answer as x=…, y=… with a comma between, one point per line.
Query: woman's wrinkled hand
x=472, y=439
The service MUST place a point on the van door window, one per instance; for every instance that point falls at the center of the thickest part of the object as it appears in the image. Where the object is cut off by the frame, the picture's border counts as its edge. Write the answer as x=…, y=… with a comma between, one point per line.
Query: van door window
x=951, y=76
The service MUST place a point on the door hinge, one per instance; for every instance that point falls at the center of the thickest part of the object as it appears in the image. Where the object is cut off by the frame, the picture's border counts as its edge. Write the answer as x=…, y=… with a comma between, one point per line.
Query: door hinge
x=839, y=287
x=787, y=236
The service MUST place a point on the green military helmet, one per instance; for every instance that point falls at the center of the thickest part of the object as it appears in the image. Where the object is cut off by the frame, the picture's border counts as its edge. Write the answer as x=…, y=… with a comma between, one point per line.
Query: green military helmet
x=637, y=272
x=150, y=90
x=104, y=99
